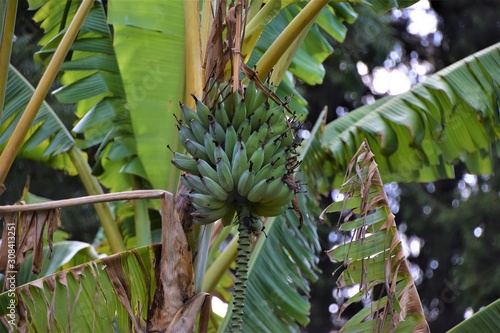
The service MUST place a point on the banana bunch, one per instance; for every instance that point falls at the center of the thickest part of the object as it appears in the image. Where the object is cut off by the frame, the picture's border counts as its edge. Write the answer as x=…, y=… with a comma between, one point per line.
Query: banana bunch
x=241, y=156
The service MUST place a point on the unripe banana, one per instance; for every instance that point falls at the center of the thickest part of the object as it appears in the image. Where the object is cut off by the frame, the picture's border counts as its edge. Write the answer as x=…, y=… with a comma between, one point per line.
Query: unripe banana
x=198, y=130
x=240, y=114
x=195, y=149
x=216, y=130
x=214, y=188
x=185, y=133
x=244, y=130
x=270, y=148
x=209, y=215
x=210, y=146
x=220, y=154
x=224, y=176
x=206, y=170
x=259, y=117
x=260, y=99
x=245, y=183
x=250, y=93
x=259, y=209
x=239, y=162
x=257, y=158
x=263, y=132
x=278, y=172
x=263, y=173
x=185, y=163
x=252, y=143
x=228, y=218
x=258, y=191
x=287, y=139
x=278, y=195
x=203, y=200
x=231, y=140
x=188, y=114
x=194, y=183
x=275, y=114
x=203, y=111
x=222, y=116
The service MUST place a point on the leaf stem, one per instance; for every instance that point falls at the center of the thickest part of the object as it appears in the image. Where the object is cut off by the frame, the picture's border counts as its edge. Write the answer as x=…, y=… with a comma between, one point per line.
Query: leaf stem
x=14, y=144
x=286, y=38
x=6, y=33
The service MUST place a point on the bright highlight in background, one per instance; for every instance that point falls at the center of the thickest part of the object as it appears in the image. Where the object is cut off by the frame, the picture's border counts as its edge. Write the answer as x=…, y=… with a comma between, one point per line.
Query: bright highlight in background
x=219, y=307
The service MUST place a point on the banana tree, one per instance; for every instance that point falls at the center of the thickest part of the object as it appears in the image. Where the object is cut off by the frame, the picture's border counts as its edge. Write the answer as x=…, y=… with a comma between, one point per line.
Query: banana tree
x=126, y=85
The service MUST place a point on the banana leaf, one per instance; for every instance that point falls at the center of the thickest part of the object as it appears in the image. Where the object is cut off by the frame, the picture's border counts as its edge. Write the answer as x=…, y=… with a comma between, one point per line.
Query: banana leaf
x=373, y=256
x=48, y=139
x=420, y=134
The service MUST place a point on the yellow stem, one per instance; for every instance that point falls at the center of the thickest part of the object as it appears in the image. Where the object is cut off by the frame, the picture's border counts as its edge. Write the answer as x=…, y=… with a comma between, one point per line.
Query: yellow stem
x=194, y=75
x=93, y=187
x=286, y=38
x=22, y=128
x=6, y=47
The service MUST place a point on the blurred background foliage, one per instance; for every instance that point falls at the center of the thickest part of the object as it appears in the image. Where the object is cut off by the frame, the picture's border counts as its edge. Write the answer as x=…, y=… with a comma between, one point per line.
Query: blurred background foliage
x=451, y=226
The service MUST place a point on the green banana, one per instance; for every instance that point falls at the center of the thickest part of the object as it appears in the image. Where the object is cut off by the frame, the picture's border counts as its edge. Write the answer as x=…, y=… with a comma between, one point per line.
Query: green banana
x=250, y=92
x=252, y=143
x=244, y=130
x=197, y=129
x=219, y=153
x=188, y=114
x=279, y=197
x=228, y=218
x=209, y=215
x=203, y=111
x=263, y=132
x=196, y=149
x=222, y=116
x=206, y=170
x=203, y=200
x=185, y=163
x=224, y=176
x=257, y=158
x=239, y=162
x=216, y=130
x=258, y=191
x=214, y=188
x=185, y=133
x=231, y=140
x=259, y=117
x=194, y=183
x=259, y=209
x=245, y=182
x=263, y=173
x=270, y=148
x=210, y=147
x=240, y=114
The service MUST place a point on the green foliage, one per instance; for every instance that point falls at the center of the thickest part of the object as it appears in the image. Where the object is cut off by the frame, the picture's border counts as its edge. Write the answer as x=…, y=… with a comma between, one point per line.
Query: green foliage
x=420, y=134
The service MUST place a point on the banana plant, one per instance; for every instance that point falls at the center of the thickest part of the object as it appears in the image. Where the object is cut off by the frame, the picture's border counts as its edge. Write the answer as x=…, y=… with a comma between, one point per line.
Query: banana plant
x=126, y=94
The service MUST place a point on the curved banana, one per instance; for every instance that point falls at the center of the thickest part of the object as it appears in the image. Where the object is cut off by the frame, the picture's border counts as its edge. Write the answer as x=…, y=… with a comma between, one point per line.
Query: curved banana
x=224, y=176
x=214, y=188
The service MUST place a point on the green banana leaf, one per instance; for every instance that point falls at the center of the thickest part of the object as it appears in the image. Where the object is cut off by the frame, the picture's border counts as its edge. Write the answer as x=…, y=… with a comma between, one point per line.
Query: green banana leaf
x=373, y=255
x=48, y=139
x=149, y=45
x=420, y=134
x=486, y=320
x=107, y=295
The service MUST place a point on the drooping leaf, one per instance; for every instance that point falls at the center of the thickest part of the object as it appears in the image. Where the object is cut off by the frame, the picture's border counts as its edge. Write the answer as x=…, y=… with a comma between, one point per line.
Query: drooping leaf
x=47, y=139
x=150, y=54
x=93, y=297
x=373, y=256
x=485, y=320
x=420, y=134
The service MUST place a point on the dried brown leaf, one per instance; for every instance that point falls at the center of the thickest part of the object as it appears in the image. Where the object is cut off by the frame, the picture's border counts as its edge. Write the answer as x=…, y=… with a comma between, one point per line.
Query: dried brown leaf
x=185, y=318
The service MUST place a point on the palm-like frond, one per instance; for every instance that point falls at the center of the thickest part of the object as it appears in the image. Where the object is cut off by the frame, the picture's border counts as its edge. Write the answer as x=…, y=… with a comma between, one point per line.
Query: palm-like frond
x=420, y=134
x=486, y=320
x=47, y=139
x=374, y=256
x=106, y=295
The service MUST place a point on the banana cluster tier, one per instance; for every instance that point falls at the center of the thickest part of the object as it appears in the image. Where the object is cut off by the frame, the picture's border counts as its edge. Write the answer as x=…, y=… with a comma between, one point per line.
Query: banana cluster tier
x=241, y=156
